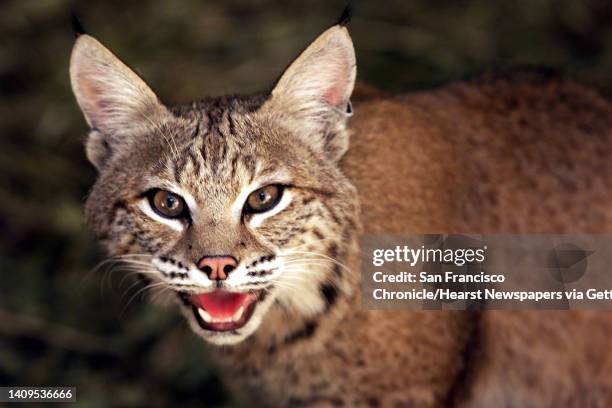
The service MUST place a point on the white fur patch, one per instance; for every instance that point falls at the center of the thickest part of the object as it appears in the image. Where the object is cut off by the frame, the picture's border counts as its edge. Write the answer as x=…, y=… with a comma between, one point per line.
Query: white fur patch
x=300, y=284
x=239, y=277
x=145, y=207
x=199, y=278
x=238, y=204
x=189, y=200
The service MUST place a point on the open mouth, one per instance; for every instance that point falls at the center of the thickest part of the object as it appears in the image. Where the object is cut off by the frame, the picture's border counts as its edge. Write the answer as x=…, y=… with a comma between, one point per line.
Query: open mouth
x=221, y=310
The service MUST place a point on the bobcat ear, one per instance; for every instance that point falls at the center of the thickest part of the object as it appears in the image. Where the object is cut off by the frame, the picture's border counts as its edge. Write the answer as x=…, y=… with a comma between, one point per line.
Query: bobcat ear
x=116, y=103
x=313, y=93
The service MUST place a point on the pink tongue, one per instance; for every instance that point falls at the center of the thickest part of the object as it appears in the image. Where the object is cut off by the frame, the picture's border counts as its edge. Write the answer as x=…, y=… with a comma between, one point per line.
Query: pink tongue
x=220, y=303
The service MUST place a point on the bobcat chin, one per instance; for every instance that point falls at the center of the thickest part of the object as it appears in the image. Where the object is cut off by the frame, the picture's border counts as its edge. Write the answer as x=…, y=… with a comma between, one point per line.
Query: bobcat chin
x=249, y=208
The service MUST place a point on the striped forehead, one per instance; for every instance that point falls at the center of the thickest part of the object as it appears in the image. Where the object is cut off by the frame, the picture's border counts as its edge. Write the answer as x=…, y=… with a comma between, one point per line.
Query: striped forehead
x=215, y=163
x=221, y=154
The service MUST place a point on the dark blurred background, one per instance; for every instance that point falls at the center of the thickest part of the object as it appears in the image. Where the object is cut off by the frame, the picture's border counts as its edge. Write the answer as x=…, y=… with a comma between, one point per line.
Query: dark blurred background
x=65, y=322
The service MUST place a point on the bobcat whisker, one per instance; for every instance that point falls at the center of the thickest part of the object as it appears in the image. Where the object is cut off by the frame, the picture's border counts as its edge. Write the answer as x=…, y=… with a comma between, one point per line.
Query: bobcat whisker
x=254, y=286
x=302, y=274
x=321, y=256
x=141, y=290
x=115, y=258
x=136, y=282
x=308, y=268
x=314, y=261
x=109, y=263
x=132, y=273
x=136, y=270
x=118, y=267
x=318, y=241
x=285, y=285
x=160, y=292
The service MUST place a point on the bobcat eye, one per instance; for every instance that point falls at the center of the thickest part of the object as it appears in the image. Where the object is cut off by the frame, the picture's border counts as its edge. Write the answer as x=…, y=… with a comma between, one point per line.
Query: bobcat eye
x=167, y=204
x=264, y=199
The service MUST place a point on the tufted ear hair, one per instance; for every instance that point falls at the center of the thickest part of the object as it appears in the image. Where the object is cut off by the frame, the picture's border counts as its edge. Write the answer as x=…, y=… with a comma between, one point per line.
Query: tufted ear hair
x=313, y=94
x=115, y=101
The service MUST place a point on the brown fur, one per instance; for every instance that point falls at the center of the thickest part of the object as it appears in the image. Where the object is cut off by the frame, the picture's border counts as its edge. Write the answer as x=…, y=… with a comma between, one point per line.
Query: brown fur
x=518, y=154
x=525, y=153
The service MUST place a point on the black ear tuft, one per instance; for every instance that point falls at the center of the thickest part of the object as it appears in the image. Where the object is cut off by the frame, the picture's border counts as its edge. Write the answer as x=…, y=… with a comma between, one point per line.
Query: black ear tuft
x=345, y=18
x=77, y=27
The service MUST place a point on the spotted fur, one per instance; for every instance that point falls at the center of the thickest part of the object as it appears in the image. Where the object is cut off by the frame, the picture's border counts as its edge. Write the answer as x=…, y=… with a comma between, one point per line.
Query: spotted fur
x=493, y=155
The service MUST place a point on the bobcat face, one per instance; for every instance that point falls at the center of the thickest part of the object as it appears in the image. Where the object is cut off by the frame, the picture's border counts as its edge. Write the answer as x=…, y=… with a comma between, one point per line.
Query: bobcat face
x=236, y=204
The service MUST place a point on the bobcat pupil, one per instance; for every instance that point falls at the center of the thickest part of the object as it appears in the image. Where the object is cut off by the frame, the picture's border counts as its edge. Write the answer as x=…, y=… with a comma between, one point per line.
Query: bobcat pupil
x=170, y=202
x=264, y=199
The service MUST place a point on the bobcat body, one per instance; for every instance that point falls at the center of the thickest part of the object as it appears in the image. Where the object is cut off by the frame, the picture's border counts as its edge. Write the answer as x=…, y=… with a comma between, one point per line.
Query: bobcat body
x=250, y=208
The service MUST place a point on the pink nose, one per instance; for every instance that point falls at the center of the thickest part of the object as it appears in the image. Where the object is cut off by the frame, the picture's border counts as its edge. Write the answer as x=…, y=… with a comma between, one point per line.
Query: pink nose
x=217, y=267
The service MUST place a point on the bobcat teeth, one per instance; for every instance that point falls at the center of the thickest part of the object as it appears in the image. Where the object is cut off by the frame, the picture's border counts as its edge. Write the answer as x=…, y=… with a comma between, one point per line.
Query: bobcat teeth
x=209, y=319
x=204, y=315
x=238, y=314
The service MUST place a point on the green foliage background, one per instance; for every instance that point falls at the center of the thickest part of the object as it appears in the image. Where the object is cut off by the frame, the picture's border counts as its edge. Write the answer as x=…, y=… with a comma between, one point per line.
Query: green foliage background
x=64, y=322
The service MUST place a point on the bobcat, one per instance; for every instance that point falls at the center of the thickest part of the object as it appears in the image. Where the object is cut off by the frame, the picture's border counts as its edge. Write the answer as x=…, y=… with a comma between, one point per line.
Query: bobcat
x=250, y=207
